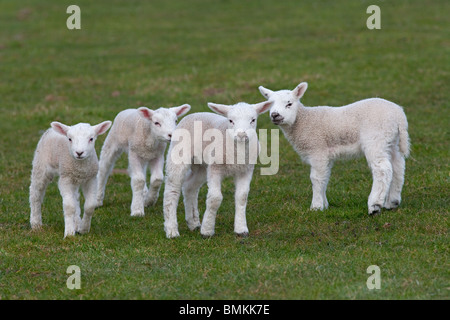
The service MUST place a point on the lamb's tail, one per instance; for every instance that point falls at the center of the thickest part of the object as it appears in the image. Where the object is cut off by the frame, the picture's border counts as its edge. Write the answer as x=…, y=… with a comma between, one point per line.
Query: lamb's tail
x=404, y=142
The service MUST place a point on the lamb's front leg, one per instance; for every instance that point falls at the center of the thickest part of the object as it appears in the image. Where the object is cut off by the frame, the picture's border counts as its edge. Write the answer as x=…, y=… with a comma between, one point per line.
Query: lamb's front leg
x=320, y=174
x=174, y=180
x=156, y=179
x=69, y=195
x=137, y=169
x=213, y=201
x=242, y=183
x=89, y=192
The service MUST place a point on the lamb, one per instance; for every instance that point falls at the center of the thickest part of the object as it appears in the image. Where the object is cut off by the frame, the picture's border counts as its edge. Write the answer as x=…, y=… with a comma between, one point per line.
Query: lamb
x=374, y=127
x=235, y=141
x=142, y=133
x=67, y=151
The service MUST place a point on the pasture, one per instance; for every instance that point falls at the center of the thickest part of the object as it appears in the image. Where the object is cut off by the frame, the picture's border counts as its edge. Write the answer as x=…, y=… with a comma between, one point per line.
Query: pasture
x=156, y=53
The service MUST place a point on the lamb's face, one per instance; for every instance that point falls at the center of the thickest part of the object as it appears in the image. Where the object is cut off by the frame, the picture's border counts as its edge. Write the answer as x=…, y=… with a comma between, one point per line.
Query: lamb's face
x=163, y=121
x=242, y=122
x=285, y=103
x=284, y=109
x=81, y=137
x=241, y=118
x=81, y=141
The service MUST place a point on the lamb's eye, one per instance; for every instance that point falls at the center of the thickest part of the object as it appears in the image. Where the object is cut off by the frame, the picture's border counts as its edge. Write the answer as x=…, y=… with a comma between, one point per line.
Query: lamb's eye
x=253, y=121
x=231, y=121
x=70, y=140
x=91, y=139
x=157, y=124
x=176, y=121
x=289, y=105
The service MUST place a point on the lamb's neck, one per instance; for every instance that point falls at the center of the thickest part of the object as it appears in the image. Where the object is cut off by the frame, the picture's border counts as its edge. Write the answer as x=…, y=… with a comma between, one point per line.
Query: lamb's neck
x=293, y=130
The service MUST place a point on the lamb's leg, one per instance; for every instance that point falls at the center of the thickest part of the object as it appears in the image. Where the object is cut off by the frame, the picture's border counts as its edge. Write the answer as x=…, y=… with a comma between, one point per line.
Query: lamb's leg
x=174, y=180
x=89, y=189
x=196, y=178
x=156, y=179
x=77, y=217
x=110, y=153
x=137, y=169
x=213, y=201
x=39, y=183
x=69, y=195
x=242, y=183
x=398, y=176
x=382, y=177
x=320, y=175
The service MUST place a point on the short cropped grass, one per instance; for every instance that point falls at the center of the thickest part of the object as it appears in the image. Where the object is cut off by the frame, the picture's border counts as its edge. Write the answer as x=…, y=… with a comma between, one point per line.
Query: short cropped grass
x=165, y=53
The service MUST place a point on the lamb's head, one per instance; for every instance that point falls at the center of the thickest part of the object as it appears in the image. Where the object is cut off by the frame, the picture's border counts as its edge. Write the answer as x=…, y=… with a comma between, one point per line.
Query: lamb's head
x=81, y=137
x=241, y=118
x=285, y=103
x=163, y=121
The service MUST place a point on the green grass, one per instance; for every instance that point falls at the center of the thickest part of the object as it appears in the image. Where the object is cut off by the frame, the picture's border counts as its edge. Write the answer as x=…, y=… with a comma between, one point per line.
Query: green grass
x=165, y=53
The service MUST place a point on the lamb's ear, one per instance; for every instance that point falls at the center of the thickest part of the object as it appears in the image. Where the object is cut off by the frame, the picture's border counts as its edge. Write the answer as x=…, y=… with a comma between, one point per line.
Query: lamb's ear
x=101, y=128
x=60, y=128
x=145, y=112
x=219, y=108
x=263, y=106
x=181, y=110
x=299, y=91
x=265, y=92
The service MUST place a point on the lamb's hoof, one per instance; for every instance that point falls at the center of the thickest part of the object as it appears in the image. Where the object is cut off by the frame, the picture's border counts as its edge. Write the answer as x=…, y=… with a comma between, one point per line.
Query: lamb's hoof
x=374, y=210
x=69, y=234
x=82, y=231
x=36, y=227
x=242, y=234
x=99, y=203
x=170, y=234
x=207, y=234
x=194, y=227
x=393, y=205
x=138, y=214
x=149, y=203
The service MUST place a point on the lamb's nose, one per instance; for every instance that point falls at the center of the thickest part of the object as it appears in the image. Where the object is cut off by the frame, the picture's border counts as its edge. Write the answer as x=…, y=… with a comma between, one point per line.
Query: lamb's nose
x=275, y=115
x=242, y=135
x=79, y=153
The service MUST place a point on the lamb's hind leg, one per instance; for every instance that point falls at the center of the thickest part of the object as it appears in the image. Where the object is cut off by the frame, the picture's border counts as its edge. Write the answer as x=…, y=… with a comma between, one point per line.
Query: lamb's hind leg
x=195, y=179
x=110, y=153
x=39, y=183
x=382, y=176
x=398, y=176
x=320, y=175
x=156, y=179
x=137, y=169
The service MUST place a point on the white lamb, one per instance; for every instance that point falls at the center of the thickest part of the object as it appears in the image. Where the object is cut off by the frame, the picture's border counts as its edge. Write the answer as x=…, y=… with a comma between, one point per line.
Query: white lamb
x=376, y=128
x=67, y=151
x=234, y=131
x=143, y=134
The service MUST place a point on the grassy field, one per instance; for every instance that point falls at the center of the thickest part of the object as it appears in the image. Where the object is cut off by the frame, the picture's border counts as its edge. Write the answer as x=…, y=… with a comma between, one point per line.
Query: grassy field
x=165, y=53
